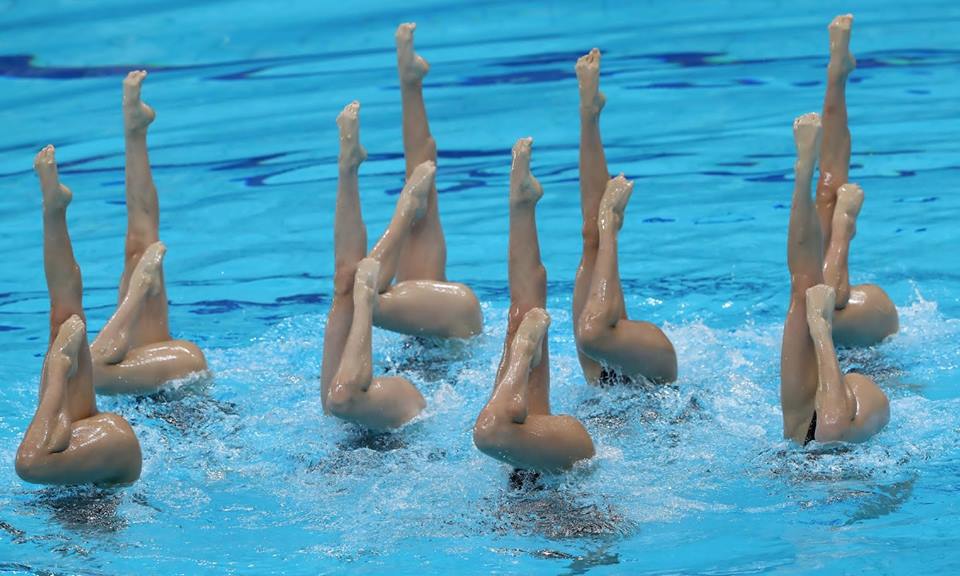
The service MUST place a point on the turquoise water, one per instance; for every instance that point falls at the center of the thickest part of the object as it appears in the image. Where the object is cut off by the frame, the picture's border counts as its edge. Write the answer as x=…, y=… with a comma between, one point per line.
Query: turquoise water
x=242, y=473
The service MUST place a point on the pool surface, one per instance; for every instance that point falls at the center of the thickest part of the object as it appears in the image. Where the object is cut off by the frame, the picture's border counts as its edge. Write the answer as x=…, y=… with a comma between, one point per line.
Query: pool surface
x=243, y=474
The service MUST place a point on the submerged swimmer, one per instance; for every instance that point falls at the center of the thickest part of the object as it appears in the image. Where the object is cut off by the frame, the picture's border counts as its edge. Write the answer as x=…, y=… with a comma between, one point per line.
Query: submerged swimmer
x=516, y=425
x=410, y=306
x=864, y=313
x=68, y=440
x=605, y=337
x=134, y=353
x=362, y=294
x=819, y=402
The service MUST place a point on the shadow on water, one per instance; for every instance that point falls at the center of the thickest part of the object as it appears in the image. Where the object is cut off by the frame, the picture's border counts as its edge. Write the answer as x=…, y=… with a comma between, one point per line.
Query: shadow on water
x=432, y=359
x=83, y=509
x=536, y=505
x=188, y=409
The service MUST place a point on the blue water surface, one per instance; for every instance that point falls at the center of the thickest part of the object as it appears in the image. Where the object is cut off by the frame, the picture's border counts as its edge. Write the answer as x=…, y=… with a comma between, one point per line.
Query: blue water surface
x=243, y=474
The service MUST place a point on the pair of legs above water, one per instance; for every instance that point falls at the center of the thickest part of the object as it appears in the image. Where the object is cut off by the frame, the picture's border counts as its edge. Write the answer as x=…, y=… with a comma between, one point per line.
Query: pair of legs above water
x=134, y=353
x=605, y=337
x=421, y=302
x=818, y=401
x=363, y=295
x=864, y=313
x=516, y=425
x=68, y=440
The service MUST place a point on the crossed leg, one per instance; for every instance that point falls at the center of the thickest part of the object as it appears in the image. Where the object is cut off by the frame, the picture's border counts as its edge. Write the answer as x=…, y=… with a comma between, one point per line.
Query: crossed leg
x=634, y=348
x=516, y=425
x=68, y=440
x=134, y=353
x=817, y=401
x=354, y=394
x=865, y=314
x=849, y=408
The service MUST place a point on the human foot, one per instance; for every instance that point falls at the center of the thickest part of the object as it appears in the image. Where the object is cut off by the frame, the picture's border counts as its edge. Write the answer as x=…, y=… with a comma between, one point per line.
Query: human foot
x=806, y=137
x=136, y=114
x=413, y=198
x=351, y=152
x=820, y=304
x=614, y=202
x=849, y=201
x=588, y=80
x=56, y=196
x=365, y=281
x=842, y=61
x=67, y=344
x=411, y=66
x=524, y=188
x=146, y=275
x=530, y=334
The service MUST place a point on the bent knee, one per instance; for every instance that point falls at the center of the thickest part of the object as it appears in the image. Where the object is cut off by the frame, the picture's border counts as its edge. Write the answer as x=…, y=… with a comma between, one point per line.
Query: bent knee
x=592, y=333
x=31, y=465
x=468, y=318
x=489, y=433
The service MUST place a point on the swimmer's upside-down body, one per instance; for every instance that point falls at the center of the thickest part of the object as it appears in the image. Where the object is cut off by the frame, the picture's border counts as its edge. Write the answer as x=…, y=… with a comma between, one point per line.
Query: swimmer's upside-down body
x=603, y=333
x=135, y=353
x=516, y=425
x=69, y=441
x=864, y=314
x=819, y=402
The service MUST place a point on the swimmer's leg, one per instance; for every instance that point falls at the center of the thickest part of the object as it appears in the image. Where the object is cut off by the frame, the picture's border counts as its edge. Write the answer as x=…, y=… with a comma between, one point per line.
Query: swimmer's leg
x=798, y=365
x=593, y=182
x=419, y=307
x=143, y=211
x=379, y=404
x=836, y=273
x=851, y=408
x=349, y=245
x=507, y=431
x=64, y=282
x=56, y=449
x=865, y=314
x=527, y=275
x=634, y=348
x=121, y=368
x=835, y=152
x=425, y=256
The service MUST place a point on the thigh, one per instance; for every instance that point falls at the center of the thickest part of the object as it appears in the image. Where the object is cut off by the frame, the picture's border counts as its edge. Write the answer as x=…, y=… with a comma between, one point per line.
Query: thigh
x=429, y=308
x=873, y=408
x=147, y=368
x=640, y=348
x=868, y=318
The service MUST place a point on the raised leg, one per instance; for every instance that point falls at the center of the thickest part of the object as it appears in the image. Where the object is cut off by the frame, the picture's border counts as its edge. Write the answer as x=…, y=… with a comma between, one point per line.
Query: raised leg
x=508, y=431
x=349, y=244
x=798, y=366
x=836, y=273
x=603, y=332
x=56, y=449
x=865, y=314
x=425, y=257
x=835, y=152
x=419, y=307
x=143, y=211
x=849, y=409
x=64, y=282
x=593, y=182
x=355, y=395
x=527, y=275
x=119, y=367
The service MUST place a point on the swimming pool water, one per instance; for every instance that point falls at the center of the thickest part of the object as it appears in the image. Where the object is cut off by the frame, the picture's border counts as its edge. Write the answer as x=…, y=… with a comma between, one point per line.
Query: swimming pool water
x=242, y=473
